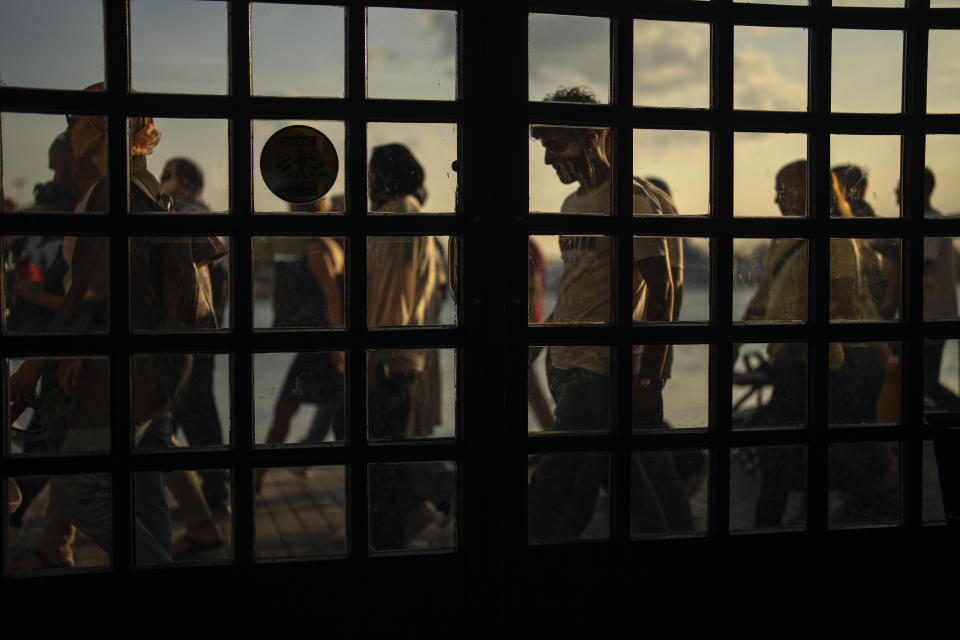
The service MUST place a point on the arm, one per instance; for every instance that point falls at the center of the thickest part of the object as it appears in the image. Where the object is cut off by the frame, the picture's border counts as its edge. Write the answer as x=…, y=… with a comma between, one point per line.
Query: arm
x=647, y=392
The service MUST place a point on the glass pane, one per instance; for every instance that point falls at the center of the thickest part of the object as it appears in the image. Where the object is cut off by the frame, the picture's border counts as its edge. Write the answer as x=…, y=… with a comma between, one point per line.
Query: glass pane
x=298, y=282
x=774, y=159
x=569, y=279
x=184, y=529
x=178, y=46
x=944, y=3
x=769, y=385
x=790, y=2
x=413, y=505
x=191, y=163
x=265, y=201
x=35, y=145
x=868, y=3
x=864, y=484
x=770, y=68
x=411, y=394
x=677, y=163
x=768, y=488
x=942, y=75
x=864, y=279
x=300, y=512
x=867, y=170
x=770, y=280
x=570, y=155
x=943, y=157
x=59, y=405
x=578, y=381
x=933, y=510
x=282, y=382
x=939, y=278
x=866, y=70
x=668, y=492
x=689, y=260
x=685, y=389
x=297, y=50
x=671, y=63
x=941, y=376
x=567, y=52
x=411, y=167
x=411, y=53
x=179, y=284
x=568, y=496
x=41, y=537
x=864, y=382
x=193, y=391
x=407, y=282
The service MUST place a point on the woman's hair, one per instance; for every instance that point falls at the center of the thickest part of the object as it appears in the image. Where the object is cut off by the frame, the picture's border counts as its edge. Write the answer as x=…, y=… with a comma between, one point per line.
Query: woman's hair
x=394, y=173
x=144, y=137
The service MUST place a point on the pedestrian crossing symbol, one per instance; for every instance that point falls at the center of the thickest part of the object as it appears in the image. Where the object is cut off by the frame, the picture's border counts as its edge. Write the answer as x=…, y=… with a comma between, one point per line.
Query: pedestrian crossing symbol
x=299, y=164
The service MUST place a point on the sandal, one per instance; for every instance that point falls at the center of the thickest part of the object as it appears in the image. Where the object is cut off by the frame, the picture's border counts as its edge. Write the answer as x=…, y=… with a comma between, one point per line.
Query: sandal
x=186, y=547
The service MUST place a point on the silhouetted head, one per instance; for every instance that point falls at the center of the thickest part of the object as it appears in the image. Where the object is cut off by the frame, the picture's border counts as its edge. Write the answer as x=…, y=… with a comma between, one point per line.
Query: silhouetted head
x=182, y=180
x=929, y=182
x=791, y=189
x=394, y=173
x=853, y=181
x=577, y=154
x=659, y=184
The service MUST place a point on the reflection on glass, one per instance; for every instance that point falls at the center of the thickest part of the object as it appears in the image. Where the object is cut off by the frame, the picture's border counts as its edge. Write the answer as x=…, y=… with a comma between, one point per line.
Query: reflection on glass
x=864, y=484
x=407, y=280
x=41, y=538
x=867, y=172
x=413, y=505
x=671, y=63
x=942, y=77
x=866, y=70
x=179, y=283
x=769, y=174
x=192, y=166
x=770, y=280
x=864, y=382
x=942, y=158
x=770, y=68
x=562, y=156
x=933, y=510
x=298, y=282
x=296, y=50
x=941, y=382
x=411, y=394
x=864, y=279
x=265, y=201
x=411, y=53
x=668, y=492
x=685, y=387
x=411, y=167
x=568, y=51
x=59, y=405
x=574, y=394
x=769, y=385
x=568, y=496
x=768, y=488
x=569, y=279
x=678, y=163
x=300, y=512
x=690, y=271
x=49, y=165
x=184, y=529
x=282, y=382
x=939, y=278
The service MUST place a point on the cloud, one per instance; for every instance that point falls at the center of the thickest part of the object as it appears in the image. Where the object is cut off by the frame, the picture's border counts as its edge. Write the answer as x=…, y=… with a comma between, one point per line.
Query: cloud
x=759, y=83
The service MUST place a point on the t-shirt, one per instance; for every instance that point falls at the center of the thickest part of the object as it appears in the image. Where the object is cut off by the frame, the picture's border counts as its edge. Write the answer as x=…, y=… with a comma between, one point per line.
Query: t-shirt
x=939, y=276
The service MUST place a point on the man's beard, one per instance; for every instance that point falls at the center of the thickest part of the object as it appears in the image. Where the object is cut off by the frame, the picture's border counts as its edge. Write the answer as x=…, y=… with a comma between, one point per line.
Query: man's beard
x=566, y=171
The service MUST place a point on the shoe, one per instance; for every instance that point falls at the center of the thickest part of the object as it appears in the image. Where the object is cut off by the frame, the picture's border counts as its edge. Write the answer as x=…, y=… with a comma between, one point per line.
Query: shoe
x=185, y=548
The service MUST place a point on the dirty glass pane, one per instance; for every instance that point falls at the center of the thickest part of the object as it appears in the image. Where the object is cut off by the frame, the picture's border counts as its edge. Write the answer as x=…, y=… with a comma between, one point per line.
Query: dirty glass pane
x=569, y=279
x=412, y=167
x=941, y=376
x=179, y=284
x=864, y=383
x=300, y=512
x=940, y=278
x=40, y=537
x=944, y=3
x=175, y=521
x=943, y=160
x=411, y=53
x=768, y=488
x=690, y=270
x=51, y=44
x=199, y=409
x=407, y=282
x=413, y=505
x=570, y=171
x=574, y=394
x=685, y=389
x=190, y=160
x=297, y=50
x=933, y=511
x=265, y=201
x=671, y=64
x=790, y=2
x=669, y=493
x=770, y=280
x=568, y=51
x=59, y=405
x=769, y=68
x=769, y=385
x=867, y=172
x=864, y=279
x=282, y=382
x=178, y=46
x=678, y=163
x=411, y=394
x=942, y=74
x=568, y=496
x=298, y=282
x=50, y=162
x=866, y=70
x=868, y=3
x=864, y=484
x=769, y=174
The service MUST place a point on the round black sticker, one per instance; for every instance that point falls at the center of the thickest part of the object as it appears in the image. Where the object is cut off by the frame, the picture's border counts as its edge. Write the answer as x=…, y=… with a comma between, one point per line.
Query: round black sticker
x=299, y=164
